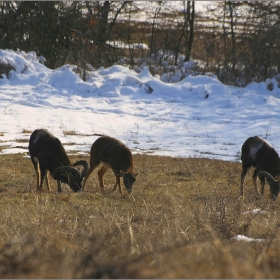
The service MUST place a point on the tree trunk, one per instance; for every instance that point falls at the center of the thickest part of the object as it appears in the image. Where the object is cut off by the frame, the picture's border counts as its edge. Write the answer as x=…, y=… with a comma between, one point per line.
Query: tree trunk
x=190, y=29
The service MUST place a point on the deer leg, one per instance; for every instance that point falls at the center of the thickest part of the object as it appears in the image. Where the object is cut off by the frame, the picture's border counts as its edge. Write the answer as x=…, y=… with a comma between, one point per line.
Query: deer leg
x=59, y=189
x=118, y=183
x=43, y=174
x=255, y=177
x=101, y=173
x=38, y=175
x=243, y=176
x=47, y=181
x=92, y=167
x=262, y=185
x=36, y=165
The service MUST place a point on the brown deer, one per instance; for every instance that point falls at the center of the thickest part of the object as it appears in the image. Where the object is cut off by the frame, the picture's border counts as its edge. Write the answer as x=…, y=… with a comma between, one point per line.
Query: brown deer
x=48, y=154
x=112, y=153
x=260, y=154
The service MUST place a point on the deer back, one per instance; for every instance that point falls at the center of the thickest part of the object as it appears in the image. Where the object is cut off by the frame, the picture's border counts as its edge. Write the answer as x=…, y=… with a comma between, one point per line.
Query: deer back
x=113, y=152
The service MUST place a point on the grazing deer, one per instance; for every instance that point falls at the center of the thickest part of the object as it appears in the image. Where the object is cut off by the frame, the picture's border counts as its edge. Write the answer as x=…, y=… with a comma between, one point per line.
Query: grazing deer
x=112, y=153
x=47, y=153
x=260, y=154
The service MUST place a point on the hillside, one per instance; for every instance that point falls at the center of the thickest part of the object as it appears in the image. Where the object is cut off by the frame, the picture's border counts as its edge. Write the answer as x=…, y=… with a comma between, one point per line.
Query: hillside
x=196, y=117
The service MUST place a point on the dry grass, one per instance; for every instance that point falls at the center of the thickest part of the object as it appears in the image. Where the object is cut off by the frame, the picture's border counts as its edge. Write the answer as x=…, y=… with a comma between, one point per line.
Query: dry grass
x=177, y=224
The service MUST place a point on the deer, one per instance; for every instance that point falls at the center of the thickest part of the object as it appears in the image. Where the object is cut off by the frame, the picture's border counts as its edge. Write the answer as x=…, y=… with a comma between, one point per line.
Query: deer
x=258, y=153
x=48, y=154
x=113, y=154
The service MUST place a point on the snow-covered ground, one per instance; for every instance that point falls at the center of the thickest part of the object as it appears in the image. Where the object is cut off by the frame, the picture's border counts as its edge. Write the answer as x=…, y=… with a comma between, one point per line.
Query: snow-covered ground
x=197, y=117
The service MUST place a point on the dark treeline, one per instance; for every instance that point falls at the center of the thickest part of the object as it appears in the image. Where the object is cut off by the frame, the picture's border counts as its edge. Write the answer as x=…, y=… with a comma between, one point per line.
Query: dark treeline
x=238, y=41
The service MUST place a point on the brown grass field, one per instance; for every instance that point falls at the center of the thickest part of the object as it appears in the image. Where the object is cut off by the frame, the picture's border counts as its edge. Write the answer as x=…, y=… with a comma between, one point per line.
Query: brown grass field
x=178, y=223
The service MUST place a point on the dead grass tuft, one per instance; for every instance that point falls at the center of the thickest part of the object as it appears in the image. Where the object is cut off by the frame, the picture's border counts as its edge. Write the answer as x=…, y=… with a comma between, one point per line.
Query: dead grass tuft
x=27, y=131
x=70, y=132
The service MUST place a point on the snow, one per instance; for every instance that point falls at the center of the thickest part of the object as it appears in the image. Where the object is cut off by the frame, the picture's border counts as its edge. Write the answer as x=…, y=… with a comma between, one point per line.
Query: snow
x=195, y=117
x=246, y=239
x=255, y=212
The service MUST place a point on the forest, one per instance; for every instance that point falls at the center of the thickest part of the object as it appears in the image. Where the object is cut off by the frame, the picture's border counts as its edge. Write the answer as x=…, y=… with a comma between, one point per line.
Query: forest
x=238, y=41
